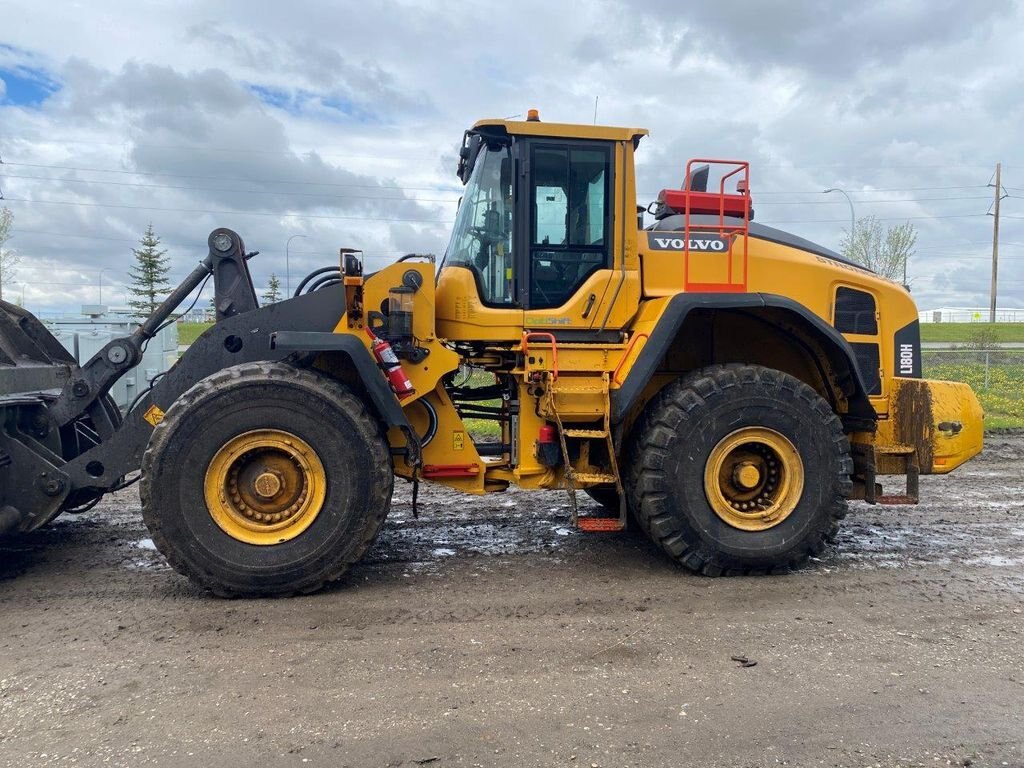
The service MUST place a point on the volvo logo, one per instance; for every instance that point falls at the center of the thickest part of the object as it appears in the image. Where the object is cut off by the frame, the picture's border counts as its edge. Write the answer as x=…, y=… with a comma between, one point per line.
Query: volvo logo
x=658, y=242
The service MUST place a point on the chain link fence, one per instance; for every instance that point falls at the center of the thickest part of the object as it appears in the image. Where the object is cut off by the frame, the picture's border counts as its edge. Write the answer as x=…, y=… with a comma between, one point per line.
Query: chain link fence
x=996, y=375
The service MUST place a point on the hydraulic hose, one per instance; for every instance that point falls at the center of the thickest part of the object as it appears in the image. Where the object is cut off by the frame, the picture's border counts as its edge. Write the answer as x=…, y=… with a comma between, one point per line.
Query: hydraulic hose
x=151, y=325
x=315, y=273
x=323, y=281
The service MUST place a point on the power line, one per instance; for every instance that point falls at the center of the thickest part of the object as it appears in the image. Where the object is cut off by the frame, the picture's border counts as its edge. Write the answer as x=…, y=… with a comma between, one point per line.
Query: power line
x=893, y=218
x=282, y=215
x=449, y=201
x=234, y=150
x=320, y=195
x=452, y=190
x=231, y=178
x=198, y=244
x=961, y=244
x=870, y=202
x=758, y=193
x=416, y=158
x=957, y=254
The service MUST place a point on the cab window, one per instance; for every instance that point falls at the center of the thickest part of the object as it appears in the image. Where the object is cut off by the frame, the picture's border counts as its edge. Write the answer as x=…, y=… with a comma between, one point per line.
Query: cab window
x=569, y=228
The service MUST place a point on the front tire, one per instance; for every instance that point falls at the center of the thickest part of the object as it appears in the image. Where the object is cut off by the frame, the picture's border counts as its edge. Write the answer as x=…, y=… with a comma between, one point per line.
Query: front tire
x=264, y=479
x=739, y=469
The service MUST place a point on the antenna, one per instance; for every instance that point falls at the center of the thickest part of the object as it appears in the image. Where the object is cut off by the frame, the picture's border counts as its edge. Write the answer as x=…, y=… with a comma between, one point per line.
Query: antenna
x=595, y=109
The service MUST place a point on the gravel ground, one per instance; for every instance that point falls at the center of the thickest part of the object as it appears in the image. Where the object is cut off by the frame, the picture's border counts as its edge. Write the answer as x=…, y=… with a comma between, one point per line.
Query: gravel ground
x=491, y=633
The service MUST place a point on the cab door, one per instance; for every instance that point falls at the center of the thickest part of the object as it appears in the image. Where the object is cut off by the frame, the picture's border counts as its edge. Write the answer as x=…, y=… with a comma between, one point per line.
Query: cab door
x=568, y=234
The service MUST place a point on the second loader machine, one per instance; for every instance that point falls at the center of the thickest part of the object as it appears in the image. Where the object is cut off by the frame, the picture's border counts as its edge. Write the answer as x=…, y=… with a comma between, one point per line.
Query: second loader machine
x=724, y=384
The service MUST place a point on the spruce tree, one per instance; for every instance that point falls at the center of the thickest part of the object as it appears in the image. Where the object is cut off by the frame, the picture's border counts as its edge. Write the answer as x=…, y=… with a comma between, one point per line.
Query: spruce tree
x=273, y=293
x=149, y=286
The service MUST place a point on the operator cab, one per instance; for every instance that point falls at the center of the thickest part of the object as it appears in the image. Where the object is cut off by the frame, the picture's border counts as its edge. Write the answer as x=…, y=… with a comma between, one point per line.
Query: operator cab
x=535, y=226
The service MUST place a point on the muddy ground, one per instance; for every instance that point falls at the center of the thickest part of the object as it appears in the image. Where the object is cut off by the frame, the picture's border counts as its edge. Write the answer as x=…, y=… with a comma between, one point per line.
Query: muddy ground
x=491, y=633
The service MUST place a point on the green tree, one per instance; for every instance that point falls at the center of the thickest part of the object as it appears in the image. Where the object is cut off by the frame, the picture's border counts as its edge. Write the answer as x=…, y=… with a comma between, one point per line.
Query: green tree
x=982, y=338
x=8, y=258
x=885, y=253
x=273, y=293
x=149, y=286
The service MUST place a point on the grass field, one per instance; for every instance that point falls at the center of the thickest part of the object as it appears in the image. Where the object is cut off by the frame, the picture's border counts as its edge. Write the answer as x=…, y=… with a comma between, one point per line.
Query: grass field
x=189, y=332
x=999, y=385
x=964, y=332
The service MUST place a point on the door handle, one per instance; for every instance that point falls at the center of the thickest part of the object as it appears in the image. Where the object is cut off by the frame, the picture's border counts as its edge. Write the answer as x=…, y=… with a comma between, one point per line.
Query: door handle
x=590, y=305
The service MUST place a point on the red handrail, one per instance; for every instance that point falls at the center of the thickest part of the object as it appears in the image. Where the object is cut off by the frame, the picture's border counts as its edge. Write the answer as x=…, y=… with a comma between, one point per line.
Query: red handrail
x=729, y=231
x=554, y=349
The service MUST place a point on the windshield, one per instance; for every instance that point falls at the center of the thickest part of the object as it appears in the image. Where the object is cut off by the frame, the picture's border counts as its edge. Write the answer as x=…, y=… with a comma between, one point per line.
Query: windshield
x=482, y=236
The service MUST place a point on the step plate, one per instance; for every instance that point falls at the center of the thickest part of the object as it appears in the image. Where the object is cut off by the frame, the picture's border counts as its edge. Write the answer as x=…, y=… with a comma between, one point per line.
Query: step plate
x=588, y=433
x=600, y=524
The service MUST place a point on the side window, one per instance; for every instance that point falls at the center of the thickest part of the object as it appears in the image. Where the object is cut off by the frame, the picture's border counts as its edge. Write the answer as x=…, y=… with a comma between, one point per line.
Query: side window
x=855, y=314
x=568, y=200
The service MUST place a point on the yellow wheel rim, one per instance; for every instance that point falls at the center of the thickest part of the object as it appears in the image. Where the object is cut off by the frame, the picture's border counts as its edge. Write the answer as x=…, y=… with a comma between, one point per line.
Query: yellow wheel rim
x=265, y=487
x=754, y=478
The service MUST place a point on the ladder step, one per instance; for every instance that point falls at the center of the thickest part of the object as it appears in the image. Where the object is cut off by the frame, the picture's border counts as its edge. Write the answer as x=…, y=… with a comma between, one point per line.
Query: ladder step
x=590, y=433
x=594, y=389
x=600, y=524
x=592, y=477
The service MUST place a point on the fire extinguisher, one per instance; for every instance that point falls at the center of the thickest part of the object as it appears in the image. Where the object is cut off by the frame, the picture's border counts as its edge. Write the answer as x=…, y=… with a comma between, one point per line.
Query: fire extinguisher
x=389, y=363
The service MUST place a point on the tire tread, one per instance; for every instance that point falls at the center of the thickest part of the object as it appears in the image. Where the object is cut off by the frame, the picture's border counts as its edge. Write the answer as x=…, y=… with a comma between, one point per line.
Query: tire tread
x=650, y=443
x=379, y=503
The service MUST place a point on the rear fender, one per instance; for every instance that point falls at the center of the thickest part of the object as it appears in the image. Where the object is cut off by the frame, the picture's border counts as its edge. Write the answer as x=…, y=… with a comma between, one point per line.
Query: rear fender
x=859, y=415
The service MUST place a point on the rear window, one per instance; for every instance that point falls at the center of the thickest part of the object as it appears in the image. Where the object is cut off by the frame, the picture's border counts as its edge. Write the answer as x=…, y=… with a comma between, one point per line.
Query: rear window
x=855, y=312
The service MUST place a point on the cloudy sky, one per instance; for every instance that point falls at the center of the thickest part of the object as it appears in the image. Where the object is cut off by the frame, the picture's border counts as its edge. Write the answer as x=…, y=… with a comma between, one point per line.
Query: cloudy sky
x=339, y=121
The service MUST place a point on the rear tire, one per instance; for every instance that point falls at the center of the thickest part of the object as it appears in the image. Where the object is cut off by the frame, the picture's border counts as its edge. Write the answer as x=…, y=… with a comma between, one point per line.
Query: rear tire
x=251, y=434
x=739, y=469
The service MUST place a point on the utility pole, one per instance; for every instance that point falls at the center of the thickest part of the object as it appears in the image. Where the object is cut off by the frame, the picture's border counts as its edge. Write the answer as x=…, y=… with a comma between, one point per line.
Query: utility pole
x=995, y=243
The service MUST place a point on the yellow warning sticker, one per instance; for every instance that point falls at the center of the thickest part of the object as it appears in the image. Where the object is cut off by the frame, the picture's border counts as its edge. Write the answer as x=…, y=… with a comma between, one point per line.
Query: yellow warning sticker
x=458, y=441
x=153, y=414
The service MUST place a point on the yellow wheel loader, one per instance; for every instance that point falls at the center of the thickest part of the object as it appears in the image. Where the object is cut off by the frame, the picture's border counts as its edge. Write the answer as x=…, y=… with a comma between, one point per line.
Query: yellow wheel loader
x=724, y=384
